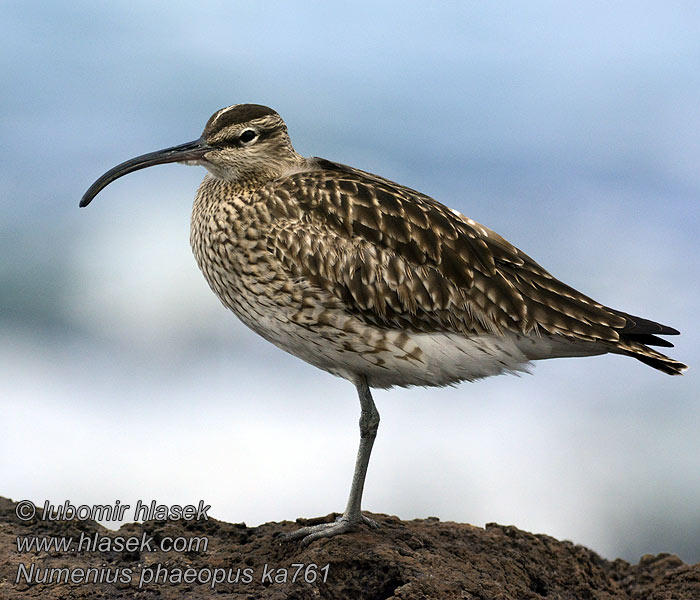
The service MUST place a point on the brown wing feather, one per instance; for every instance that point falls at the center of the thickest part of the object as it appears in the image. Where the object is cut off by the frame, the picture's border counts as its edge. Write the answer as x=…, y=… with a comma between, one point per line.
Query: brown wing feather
x=400, y=259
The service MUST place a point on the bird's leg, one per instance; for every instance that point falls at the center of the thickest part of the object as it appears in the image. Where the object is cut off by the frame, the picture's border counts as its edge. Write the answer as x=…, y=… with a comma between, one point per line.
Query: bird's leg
x=369, y=423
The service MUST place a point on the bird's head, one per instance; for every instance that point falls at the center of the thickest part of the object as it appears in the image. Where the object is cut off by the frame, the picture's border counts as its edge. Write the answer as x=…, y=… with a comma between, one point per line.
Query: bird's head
x=243, y=142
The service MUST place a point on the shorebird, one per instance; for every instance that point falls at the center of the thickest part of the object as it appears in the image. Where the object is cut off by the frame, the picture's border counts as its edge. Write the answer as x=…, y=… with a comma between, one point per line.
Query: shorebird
x=373, y=281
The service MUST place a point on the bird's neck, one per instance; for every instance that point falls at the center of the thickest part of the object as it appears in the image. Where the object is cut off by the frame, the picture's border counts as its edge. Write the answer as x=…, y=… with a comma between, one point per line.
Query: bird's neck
x=256, y=173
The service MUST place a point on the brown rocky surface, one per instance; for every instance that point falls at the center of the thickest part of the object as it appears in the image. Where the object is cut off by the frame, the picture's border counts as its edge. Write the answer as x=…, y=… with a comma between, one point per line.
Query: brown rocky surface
x=403, y=560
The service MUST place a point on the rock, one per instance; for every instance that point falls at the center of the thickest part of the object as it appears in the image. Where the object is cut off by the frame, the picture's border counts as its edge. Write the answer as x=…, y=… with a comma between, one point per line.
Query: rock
x=419, y=559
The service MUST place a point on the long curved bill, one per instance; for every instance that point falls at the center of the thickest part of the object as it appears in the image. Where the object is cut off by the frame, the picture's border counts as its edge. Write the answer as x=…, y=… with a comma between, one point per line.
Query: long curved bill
x=194, y=150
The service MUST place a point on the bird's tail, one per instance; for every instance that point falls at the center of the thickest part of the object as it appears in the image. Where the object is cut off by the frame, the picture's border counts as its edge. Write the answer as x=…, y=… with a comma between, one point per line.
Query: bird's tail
x=650, y=357
x=636, y=337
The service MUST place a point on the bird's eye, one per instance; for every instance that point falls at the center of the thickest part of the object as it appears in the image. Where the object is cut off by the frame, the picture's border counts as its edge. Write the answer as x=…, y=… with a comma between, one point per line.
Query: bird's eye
x=248, y=136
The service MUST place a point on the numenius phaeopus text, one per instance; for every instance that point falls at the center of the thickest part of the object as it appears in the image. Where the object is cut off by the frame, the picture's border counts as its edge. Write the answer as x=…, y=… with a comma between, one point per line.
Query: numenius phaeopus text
x=373, y=281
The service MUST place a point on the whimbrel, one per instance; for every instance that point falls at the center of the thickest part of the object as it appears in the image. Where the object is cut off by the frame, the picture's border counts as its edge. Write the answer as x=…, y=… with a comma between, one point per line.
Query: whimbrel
x=373, y=281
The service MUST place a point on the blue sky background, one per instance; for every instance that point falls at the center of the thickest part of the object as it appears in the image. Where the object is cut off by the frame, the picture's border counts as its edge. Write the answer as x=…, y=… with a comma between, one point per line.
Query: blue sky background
x=571, y=129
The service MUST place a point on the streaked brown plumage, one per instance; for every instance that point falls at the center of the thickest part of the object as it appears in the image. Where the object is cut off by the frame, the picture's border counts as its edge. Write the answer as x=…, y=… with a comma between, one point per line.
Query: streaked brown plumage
x=371, y=280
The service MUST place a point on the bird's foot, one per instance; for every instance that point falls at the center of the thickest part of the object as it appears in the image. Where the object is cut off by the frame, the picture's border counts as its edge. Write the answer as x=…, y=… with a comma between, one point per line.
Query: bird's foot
x=342, y=525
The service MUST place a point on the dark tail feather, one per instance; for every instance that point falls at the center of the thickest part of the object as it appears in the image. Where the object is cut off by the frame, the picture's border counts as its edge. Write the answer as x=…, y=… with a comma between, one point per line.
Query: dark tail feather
x=639, y=326
x=636, y=337
x=665, y=364
x=649, y=340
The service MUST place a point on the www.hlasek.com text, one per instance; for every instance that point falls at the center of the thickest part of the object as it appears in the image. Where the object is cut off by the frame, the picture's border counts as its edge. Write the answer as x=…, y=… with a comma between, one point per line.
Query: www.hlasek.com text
x=99, y=542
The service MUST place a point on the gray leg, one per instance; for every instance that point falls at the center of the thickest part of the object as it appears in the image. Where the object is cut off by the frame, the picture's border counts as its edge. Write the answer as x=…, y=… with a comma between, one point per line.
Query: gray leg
x=369, y=423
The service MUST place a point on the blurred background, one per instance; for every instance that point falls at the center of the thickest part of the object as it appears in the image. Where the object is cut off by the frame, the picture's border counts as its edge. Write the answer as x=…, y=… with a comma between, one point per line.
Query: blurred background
x=572, y=129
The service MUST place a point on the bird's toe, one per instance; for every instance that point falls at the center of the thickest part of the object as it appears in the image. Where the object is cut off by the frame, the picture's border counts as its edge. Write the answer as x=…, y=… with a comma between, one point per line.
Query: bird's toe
x=314, y=532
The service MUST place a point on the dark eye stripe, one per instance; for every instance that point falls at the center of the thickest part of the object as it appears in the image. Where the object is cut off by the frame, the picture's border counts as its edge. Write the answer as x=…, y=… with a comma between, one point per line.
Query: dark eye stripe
x=237, y=141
